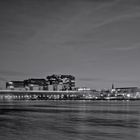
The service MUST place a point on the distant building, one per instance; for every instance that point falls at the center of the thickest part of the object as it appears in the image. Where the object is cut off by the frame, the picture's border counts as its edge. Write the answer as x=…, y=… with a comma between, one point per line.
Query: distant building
x=127, y=89
x=84, y=89
x=64, y=82
x=128, y=92
x=54, y=82
x=36, y=84
x=15, y=85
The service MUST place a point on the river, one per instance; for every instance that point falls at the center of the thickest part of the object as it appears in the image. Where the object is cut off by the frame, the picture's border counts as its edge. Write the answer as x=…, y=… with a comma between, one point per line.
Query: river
x=69, y=120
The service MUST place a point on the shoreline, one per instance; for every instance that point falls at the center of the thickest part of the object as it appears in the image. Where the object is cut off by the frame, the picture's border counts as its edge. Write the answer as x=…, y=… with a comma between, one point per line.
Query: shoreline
x=57, y=95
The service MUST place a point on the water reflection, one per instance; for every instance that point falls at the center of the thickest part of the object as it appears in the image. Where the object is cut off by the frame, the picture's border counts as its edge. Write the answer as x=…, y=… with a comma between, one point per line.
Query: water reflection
x=78, y=120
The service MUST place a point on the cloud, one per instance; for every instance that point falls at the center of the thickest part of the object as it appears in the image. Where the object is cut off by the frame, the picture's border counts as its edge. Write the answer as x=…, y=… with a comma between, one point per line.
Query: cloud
x=2, y=79
x=125, y=48
x=128, y=48
x=89, y=79
x=11, y=73
x=107, y=80
x=128, y=81
x=107, y=4
x=115, y=19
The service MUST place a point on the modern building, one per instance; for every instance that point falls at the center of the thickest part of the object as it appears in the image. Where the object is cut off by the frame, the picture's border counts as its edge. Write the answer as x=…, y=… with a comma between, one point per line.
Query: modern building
x=15, y=85
x=54, y=82
x=126, y=89
x=36, y=84
x=67, y=82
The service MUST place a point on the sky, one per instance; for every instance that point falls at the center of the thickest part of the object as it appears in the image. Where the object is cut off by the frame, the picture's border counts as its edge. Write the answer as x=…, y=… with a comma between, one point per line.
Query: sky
x=97, y=41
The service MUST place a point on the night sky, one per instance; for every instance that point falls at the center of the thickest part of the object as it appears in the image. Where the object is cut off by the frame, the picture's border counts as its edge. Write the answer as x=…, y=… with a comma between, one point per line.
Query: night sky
x=97, y=41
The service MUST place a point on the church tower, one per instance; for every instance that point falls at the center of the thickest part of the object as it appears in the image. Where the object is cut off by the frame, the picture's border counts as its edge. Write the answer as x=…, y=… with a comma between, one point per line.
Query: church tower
x=113, y=89
x=112, y=86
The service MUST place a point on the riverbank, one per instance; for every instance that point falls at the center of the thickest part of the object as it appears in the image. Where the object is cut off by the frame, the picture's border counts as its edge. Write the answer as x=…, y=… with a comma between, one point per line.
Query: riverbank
x=59, y=95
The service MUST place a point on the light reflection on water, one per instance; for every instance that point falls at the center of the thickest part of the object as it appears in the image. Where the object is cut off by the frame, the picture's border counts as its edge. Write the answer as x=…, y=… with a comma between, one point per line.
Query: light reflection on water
x=70, y=120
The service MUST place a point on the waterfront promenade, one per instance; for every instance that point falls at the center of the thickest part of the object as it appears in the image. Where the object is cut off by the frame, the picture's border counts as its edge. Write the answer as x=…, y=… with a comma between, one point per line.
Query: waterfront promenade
x=64, y=95
x=42, y=94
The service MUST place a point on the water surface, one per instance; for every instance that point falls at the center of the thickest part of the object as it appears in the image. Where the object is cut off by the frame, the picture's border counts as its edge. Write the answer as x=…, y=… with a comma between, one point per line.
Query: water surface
x=69, y=120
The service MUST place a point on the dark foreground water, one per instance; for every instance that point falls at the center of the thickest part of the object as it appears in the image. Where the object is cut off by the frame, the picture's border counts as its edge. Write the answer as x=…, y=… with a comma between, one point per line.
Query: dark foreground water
x=70, y=120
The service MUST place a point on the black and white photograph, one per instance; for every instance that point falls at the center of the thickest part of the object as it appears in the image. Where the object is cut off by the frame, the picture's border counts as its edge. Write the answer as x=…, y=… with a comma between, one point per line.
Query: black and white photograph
x=69, y=69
